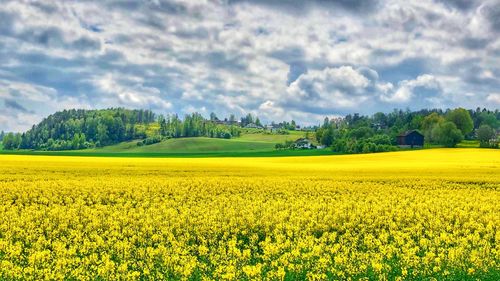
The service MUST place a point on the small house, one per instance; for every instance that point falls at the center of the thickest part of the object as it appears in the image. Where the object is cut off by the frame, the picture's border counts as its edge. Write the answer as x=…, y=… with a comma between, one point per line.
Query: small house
x=253, y=126
x=273, y=128
x=410, y=139
x=303, y=143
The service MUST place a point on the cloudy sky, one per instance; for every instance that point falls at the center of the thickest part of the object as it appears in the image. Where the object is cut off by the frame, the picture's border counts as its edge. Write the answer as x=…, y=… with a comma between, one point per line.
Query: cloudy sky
x=281, y=60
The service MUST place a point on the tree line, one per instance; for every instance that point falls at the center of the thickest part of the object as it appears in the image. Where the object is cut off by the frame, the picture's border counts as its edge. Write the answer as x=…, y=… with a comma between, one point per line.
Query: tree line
x=193, y=125
x=355, y=133
x=78, y=129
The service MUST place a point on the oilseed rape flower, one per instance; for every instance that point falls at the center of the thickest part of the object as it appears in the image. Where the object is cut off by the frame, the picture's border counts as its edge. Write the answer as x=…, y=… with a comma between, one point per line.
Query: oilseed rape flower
x=429, y=214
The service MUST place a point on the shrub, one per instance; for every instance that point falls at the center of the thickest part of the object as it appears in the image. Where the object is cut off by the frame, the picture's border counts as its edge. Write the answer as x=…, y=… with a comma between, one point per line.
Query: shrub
x=447, y=134
x=151, y=140
x=485, y=135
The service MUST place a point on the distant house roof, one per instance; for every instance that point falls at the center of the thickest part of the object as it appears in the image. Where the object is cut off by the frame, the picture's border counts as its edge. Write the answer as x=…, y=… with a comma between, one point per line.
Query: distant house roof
x=252, y=125
x=273, y=126
x=408, y=133
x=410, y=138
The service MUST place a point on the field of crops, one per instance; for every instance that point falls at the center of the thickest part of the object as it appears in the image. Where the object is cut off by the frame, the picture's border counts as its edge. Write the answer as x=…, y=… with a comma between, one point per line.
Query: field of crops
x=401, y=215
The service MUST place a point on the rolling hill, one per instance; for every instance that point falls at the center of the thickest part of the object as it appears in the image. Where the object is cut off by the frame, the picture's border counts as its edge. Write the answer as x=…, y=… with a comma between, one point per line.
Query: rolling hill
x=188, y=145
x=250, y=142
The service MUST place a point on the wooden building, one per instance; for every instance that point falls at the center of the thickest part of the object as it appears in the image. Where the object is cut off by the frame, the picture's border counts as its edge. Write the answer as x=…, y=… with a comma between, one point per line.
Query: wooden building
x=411, y=139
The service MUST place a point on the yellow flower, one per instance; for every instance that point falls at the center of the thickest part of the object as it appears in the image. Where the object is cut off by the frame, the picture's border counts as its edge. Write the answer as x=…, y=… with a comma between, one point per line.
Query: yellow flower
x=403, y=215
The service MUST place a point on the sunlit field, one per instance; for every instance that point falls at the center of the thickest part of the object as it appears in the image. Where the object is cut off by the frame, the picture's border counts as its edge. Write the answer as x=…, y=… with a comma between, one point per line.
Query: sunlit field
x=400, y=215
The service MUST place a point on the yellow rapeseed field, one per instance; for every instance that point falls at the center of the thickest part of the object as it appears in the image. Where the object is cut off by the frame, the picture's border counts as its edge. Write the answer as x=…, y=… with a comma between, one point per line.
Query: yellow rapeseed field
x=403, y=215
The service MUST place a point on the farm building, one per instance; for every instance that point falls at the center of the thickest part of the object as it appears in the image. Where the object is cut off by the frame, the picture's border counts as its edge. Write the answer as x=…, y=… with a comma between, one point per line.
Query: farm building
x=253, y=126
x=303, y=143
x=272, y=128
x=410, y=139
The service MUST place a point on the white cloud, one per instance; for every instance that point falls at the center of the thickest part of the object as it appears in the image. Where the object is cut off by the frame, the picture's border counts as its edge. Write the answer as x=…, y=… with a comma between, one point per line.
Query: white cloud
x=192, y=95
x=406, y=89
x=346, y=89
x=271, y=110
x=493, y=98
x=33, y=103
x=342, y=87
x=25, y=91
x=17, y=122
x=135, y=95
x=236, y=58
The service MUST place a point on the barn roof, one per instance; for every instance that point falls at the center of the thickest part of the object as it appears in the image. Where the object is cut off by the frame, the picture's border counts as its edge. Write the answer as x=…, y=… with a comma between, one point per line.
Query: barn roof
x=409, y=132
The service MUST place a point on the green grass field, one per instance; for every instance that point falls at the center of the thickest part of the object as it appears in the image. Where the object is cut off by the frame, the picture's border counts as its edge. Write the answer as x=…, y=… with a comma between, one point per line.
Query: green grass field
x=250, y=144
x=468, y=144
x=462, y=144
x=272, y=138
x=92, y=153
x=189, y=145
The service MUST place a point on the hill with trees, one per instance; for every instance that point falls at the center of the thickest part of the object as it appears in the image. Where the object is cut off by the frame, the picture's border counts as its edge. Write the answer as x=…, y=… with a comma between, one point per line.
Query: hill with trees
x=129, y=130
x=77, y=129
x=355, y=133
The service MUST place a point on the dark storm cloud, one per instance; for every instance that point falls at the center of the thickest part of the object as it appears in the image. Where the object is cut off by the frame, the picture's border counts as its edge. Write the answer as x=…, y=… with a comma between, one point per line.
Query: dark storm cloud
x=196, y=33
x=65, y=80
x=73, y=77
x=129, y=5
x=405, y=70
x=6, y=23
x=299, y=7
x=169, y=7
x=150, y=13
x=463, y=5
x=86, y=43
x=295, y=58
x=48, y=37
x=13, y=104
x=44, y=36
x=474, y=76
x=223, y=60
x=153, y=21
x=475, y=43
x=296, y=69
x=492, y=12
x=289, y=55
x=161, y=6
x=45, y=6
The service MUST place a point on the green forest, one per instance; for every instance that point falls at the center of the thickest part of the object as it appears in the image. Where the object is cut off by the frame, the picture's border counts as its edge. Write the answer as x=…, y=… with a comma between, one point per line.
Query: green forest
x=79, y=129
x=362, y=134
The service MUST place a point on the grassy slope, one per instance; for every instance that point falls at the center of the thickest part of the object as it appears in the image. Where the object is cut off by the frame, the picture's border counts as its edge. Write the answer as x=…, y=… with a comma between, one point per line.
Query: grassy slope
x=462, y=144
x=469, y=144
x=252, y=143
x=189, y=145
x=102, y=153
x=274, y=138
